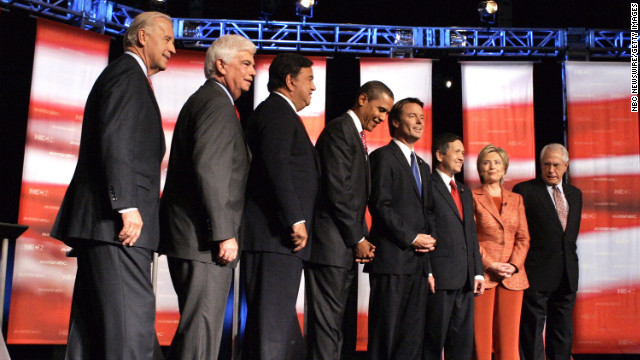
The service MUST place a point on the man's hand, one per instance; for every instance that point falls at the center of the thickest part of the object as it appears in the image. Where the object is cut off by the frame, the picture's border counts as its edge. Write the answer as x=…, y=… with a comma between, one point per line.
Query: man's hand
x=478, y=287
x=424, y=243
x=432, y=284
x=228, y=251
x=363, y=252
x=299, y=236
x=132, y=226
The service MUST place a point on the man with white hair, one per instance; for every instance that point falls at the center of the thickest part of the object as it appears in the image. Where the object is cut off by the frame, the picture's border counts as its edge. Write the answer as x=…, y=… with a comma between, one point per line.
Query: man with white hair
x=553, y=210
x=109, y=215
x=203, y=198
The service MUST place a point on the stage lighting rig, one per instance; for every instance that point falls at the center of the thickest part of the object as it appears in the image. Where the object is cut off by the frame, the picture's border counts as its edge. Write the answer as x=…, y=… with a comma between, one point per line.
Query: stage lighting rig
x=487, y=11
x=304, y=9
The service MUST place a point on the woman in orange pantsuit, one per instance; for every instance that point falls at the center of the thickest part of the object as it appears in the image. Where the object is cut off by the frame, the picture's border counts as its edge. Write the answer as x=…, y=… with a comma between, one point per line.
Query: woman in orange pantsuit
x=504, y=241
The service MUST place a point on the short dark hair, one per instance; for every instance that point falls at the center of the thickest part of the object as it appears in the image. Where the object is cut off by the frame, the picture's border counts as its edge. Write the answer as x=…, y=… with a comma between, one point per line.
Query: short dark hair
x=283, y=65
x=374, y=89
x=396, y=110
x=441, y=143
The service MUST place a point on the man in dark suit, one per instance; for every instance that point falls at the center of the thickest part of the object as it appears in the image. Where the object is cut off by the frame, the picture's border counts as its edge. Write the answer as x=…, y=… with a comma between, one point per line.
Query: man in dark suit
x=553, y=209
x=109, y=214
x=400, y=206
x=455, y=263
x=340, y=230
x=203, y=198
x=281, y=194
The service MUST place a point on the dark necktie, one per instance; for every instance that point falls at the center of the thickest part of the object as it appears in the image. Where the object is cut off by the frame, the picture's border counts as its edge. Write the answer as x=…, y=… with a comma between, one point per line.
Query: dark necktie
x=560, y=206
x=416, y=172
x=456, y=198
x=363, y=137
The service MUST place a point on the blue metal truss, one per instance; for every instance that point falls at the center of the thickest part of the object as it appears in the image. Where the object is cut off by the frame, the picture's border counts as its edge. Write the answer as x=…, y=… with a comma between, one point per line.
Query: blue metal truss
x=112, y=18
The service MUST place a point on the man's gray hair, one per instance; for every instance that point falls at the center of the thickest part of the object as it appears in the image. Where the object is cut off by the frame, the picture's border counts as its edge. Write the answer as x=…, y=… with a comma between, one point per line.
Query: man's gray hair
x=555, y=147
x=144, y=20
x=225, y=48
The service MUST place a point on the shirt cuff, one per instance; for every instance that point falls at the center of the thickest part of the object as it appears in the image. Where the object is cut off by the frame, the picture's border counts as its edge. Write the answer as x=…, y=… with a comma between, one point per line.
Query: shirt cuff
x=479, y=277
x=299, y=222
x=122, y=211
x=361, y=240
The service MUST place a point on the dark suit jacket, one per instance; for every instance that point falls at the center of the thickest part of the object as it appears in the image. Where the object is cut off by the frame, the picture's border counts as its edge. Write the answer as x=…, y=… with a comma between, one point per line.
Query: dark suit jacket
x=203, y=197
x=339, y=222
x=398, y=212
x=456, y=260
x=503, y=236
x=284, y=179
x=552, y=250
x=121, y=150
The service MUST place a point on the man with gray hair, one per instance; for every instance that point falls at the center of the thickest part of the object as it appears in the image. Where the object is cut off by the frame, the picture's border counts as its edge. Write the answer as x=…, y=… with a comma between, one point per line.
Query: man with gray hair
x=203, y=198
x=553, y=209
x=109, y=215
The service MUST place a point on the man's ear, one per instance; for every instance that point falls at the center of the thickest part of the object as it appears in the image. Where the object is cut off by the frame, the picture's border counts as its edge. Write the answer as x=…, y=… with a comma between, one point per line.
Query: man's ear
x=142, y=37
x=220, y=67
x=362, y=99
x=289, y=82
x=439, y=155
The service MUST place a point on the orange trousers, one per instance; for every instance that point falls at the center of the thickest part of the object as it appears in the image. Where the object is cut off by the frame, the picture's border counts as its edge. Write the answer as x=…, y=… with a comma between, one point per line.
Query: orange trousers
x=496, y=324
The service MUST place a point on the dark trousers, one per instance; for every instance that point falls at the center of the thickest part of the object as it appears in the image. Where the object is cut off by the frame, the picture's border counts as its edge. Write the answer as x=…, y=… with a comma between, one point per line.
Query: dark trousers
x=397, y=309
x=449, y=325
x=327, y=289
x=202, y=289
x=556, y=309
x=113, y=307
x=271, y=282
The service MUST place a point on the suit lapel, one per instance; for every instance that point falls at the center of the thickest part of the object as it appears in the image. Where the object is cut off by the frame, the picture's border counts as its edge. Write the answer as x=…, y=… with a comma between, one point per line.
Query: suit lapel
x=572, y=200
x=444, y=192
x=486, y=201
x=424, y=173
x=547, y=203
x=356, y=138
x=402, y=160
x=346, y=117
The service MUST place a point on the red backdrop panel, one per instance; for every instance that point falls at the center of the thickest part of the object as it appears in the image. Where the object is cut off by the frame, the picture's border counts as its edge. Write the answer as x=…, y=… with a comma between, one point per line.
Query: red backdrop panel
x=497, y=108
x=67, y=61
x=604, y=144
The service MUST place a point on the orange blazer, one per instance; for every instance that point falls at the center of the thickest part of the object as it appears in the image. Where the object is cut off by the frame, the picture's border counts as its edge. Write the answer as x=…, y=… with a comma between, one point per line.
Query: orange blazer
x=503, y=237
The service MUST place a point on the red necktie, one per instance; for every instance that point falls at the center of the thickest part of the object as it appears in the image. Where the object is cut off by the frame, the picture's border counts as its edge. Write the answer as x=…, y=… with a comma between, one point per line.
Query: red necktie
x=456, y=198
x=237, y=112
x=363, y=137
x=150, y=83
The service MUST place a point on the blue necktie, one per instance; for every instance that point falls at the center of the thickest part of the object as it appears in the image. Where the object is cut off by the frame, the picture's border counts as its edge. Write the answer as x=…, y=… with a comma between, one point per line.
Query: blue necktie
x=416, y=172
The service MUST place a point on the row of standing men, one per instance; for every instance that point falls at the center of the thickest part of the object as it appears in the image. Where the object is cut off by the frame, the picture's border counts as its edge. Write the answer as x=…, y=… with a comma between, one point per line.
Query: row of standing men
x=268, y=190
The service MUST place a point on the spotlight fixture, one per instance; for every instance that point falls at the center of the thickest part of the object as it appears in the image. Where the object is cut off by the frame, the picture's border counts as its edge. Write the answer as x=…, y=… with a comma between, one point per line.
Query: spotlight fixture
x=304, y=8
x=487, y=11
x=158, y=5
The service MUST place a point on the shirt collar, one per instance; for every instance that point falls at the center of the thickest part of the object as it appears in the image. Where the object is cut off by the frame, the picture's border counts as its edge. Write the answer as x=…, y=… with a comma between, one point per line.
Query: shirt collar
x=288, y=100
x=559, y=186
x=139, y=60
x=406, y=151
x=226, y=91
x=446, y=178
x=356, y=120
